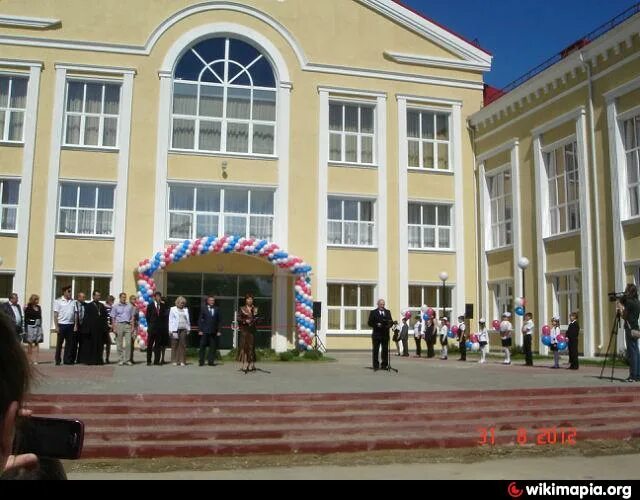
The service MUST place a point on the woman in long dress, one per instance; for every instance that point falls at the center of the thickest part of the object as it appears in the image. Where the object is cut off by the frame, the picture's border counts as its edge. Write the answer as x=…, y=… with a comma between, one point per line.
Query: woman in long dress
x=247, y=318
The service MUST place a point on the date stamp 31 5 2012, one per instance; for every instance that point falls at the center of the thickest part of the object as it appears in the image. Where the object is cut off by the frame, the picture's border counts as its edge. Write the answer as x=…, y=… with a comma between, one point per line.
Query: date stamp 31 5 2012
x=544, y=436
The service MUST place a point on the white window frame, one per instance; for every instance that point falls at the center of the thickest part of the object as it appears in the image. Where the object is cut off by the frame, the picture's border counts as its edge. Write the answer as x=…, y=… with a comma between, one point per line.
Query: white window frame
x=423, y=226
x=501, y=297
x=221, y=213
x=359, y=104
x=572, y=295
x=435, y=142
x=634, y=152
x=84, y=114
x=360, y=328
x=500, y=237
x=438, y=306
x=3, y=206
x=224, y=120
x=70, y=279
x=359, y=222
x=9, y=110
x=95, y=209
x=554, y=210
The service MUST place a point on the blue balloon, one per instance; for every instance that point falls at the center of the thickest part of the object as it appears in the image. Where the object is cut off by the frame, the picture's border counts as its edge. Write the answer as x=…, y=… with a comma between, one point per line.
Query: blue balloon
x=451, y=335
x=562, y=346
x=469, y=344
x=546, y=340
x=520, y=311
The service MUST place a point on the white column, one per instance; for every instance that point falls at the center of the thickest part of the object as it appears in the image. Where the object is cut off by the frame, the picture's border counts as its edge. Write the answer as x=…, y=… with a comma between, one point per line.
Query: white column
x=458, y=176
x=403, y=204
x=120, y=221
x=617, y=162
x=284, y=153
x=485, y=235
x=322, y=189
x=517, y=233
x=162, y=153
x=282, y=288
x=49, y=246
x=541, y=230
x=383, y=210
x=26, y=180
x=588, y=317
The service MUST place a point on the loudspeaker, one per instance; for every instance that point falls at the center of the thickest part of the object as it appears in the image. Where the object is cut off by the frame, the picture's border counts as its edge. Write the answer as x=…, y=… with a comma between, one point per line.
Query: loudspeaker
x=468, y=311
x=317, y=309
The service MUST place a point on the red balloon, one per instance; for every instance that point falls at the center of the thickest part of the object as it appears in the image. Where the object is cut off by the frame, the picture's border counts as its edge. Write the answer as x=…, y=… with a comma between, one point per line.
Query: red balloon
x=496, y=324
x=546, y=330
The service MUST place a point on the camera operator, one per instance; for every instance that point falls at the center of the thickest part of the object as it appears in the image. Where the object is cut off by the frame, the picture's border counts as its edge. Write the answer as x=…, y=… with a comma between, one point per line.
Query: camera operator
x=629, y=307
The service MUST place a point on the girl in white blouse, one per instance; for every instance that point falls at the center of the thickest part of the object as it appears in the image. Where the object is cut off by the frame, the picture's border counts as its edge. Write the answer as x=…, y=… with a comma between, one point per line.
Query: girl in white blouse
x=179, y=326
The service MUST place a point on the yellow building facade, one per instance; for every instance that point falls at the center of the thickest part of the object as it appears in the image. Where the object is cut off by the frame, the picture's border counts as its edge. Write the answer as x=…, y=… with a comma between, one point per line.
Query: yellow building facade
x=557, y=172
x=336, y=129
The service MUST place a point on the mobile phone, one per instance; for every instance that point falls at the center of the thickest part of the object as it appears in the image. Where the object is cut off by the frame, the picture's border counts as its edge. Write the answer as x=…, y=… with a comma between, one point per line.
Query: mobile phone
x=49, y=437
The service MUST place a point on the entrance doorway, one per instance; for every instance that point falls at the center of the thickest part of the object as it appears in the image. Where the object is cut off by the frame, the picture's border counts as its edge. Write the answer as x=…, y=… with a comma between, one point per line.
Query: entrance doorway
x=229, y=291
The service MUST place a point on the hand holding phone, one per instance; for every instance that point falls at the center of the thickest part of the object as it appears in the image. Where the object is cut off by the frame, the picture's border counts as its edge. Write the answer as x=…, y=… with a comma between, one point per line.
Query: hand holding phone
x=49, y=437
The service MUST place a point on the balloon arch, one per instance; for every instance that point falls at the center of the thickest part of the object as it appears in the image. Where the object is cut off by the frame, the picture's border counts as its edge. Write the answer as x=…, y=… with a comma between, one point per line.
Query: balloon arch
x=177, y=252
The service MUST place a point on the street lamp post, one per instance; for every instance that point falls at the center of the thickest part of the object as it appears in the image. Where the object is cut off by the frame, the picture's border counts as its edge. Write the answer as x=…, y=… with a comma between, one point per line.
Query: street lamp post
x=523, y=263
x=444, y=276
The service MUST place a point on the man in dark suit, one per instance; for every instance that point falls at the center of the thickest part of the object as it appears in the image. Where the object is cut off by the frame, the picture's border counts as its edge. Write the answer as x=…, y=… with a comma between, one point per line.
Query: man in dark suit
x=94, y=327
x=572, y=336
x=209, y=330
x=14, y=311
x=156, y=324
x=380, y=321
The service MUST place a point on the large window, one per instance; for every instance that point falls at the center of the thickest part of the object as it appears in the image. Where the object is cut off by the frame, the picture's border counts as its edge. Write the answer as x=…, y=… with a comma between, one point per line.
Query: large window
x=499, y=186
x=566, y=293
x=632, y=150
x=351, y=222
x=6, y=286
x=349, y=307
x=13, y=101
x=502, y=298
x=352, y=133
x=86, y=209
x=91, y=117
x=224, y=99
x=84, y=284
x=564, y=192
x=430, y=226
x=428, y=139
x=432, y=296
x=214, y=211
x=9, y=193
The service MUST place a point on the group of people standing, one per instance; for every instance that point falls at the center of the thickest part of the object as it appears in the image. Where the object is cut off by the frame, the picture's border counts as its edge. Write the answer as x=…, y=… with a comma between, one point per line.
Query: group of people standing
x=431, y=330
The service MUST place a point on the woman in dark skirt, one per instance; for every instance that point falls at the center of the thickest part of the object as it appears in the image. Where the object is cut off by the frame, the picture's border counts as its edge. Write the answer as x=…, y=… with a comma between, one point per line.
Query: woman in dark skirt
x=247, y=318
x=33, y=321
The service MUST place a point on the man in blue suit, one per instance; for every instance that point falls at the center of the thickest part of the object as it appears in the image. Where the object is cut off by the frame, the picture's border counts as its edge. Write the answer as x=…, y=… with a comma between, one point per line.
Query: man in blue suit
x=209, y=330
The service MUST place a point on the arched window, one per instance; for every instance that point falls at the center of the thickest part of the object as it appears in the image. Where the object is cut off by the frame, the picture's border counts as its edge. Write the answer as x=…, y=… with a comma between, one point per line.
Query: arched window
x=224, y=99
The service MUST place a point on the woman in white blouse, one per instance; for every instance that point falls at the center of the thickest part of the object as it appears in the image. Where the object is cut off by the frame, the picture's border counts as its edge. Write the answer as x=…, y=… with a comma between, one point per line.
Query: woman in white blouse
x=179, y=326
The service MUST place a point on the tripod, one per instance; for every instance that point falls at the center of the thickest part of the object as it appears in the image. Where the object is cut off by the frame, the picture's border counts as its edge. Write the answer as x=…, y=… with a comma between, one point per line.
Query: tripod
x=318, y=345
x=613, y=342
x=388, y=368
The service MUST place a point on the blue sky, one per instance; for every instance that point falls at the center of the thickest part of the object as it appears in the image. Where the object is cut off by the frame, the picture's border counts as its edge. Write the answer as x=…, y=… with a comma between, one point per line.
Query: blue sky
x=520, y=33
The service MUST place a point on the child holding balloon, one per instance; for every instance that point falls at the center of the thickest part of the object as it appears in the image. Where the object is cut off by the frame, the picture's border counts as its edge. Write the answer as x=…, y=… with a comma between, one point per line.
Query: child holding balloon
x=444, y=337
x=483, y=339
x=554, y=334
x=506, y=329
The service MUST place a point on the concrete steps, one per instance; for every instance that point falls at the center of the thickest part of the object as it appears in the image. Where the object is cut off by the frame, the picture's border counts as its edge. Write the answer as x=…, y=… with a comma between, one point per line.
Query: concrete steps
x=119, y=426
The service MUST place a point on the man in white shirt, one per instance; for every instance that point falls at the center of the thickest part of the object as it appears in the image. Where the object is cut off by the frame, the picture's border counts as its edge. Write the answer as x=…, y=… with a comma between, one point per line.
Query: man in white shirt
x=64, y=318
x=527, y=332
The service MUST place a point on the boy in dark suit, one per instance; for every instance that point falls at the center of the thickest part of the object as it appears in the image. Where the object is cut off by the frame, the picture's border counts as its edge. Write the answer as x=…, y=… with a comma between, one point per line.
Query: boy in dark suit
x=572, y=336
x=156, y=324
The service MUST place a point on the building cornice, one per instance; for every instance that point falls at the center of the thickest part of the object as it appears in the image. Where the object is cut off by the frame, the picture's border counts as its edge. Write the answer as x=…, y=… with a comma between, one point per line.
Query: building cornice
x=437, y=62
x=39, y=23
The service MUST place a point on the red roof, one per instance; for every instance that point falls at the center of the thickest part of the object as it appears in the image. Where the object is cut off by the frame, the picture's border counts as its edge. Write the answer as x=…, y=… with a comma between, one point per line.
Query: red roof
x=490, y=94
x=423, y=16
